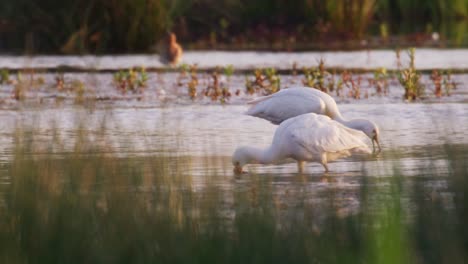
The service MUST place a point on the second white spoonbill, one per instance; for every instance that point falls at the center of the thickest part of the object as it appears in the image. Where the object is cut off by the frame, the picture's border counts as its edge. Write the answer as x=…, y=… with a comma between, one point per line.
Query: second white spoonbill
x=295, y=101
x=308, y=137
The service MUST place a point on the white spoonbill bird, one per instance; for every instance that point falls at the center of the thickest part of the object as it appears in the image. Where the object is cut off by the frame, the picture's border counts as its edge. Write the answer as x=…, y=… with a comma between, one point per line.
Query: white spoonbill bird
x=296, y=101
x=307, y=137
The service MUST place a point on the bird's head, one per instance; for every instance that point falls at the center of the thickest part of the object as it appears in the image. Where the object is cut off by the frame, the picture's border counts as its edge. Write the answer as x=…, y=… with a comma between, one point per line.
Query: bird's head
x=239, y=159
x=372, y=131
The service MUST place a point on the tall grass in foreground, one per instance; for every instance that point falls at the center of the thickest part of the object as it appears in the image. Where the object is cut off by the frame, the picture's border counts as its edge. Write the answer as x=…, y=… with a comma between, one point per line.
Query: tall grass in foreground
x=89, y=207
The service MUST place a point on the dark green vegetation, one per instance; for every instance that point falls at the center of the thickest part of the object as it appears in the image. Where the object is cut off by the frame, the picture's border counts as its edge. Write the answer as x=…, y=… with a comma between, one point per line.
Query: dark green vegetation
x=102, y=26
x=88, y=206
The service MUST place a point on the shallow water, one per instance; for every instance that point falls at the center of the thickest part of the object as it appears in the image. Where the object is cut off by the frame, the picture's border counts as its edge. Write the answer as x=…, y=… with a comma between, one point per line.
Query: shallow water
x=163, y=118
x=216, y=130
x=200, y=135
x=366, y=59
x=148, y=176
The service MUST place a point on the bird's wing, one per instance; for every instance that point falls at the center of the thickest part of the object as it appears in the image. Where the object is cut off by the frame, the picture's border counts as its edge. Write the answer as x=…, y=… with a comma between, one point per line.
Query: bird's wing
x=318, y=134
x=281, y=106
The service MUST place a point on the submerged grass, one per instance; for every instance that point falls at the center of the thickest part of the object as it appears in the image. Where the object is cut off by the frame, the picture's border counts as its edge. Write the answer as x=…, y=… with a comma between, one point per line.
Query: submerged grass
x=86, y=206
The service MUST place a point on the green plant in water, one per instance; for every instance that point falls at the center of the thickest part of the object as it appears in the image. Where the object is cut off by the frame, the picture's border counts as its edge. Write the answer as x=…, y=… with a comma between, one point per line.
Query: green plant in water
x=192, y=84
x=4, y=76
x=353, y=85
x=183, y=69
x=266, y=81
x=380, y=81
x=442, y=82
x=448, y=83
x=339, y=87
x=79, y=88
x=217, y=90
x=410, y=79
x=120, y=79
x=249, y=86
x=315, y=77
x=131, y=80
x=273, y=79
x=142, y=78
x=229, y=71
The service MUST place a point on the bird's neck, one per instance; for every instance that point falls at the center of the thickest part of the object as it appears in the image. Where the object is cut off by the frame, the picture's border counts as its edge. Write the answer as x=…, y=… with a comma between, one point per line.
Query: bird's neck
x=353, y=123
x=262, y=156
x=333, y=112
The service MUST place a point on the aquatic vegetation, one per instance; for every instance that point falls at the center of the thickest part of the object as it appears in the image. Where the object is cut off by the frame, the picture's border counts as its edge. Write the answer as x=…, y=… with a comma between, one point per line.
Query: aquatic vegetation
x=380, y=81
x=60, y=81
x=274, y=81
x=216, y=89
x=265, y=81
x=78, y=87
x=410, y=79
x=294, y=69
x=183, y=71
x=193, y=83
x=436, y=79
x=398, y=58
x=19, y=91
x=339, y=87
x=449, y=83
x=20, y=86
x=229, y=71
x=4, y=76
x=353, y=84
x=315, y=77
x=226, y=94
x=223, y=83
x=213, y=90
x=442, y=83
x=134, y=80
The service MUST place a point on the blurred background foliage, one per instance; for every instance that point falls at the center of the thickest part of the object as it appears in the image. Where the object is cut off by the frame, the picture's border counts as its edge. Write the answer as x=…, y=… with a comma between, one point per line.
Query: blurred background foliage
x=117, y=26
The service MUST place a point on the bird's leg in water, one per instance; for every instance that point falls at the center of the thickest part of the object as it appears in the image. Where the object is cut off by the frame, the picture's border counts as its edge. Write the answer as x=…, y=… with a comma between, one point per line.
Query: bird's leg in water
x=326, y=167
x=300, y=166
x=324, y=162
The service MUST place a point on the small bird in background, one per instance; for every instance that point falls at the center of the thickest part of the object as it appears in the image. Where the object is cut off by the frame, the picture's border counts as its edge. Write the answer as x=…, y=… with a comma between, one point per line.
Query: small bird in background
x=171, y=51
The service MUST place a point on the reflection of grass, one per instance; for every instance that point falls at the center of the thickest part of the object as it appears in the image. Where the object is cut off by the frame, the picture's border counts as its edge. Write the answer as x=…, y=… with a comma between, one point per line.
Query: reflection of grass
x=87, y=207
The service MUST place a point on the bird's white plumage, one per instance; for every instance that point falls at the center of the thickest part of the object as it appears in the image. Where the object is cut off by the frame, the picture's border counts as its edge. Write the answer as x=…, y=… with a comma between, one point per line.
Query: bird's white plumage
x=286, y=104
x=295, y=101
x=308, y=137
